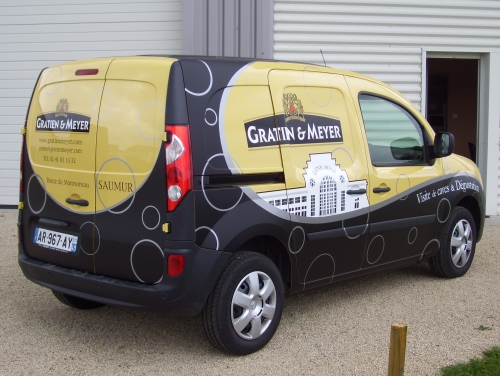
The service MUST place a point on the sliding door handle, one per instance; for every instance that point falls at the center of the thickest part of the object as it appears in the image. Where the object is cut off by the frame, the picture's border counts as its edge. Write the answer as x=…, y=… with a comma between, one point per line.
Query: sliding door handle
x=381, y=190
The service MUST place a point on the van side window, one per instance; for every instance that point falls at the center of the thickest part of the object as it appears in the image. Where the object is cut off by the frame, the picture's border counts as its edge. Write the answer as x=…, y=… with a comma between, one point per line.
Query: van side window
x=394, y=135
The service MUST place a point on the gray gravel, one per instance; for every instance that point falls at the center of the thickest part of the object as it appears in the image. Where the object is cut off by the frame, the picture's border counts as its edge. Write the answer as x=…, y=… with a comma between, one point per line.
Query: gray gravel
x=340, y=330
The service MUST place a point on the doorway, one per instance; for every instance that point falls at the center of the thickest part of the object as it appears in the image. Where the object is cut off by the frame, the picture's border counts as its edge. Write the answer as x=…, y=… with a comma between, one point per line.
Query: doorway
x=452, y=101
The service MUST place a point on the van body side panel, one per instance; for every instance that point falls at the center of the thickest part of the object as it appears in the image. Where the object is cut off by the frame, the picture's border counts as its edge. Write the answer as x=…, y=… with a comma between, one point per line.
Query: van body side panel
x=59, y=164
x=406, y=219
x=325, y=172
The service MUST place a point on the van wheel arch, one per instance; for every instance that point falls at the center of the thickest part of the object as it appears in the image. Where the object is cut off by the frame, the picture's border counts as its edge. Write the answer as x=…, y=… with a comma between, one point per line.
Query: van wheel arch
x=276, y=251
x=472, y=206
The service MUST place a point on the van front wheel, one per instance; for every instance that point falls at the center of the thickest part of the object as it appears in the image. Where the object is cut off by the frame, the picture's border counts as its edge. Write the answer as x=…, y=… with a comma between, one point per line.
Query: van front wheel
x=244, y=308
x=457, y=245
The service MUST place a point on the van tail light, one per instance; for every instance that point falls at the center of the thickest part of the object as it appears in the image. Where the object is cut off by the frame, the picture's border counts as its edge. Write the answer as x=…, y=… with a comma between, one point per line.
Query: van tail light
x=179, y=171
x=175, y=265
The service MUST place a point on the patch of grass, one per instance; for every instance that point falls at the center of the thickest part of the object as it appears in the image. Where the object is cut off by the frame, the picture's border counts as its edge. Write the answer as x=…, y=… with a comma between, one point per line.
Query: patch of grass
x=488, y=365
x=483, y=328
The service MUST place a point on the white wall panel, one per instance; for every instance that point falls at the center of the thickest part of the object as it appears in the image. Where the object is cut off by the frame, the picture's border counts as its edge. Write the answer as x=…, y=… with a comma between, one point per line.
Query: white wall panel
x=35, y=34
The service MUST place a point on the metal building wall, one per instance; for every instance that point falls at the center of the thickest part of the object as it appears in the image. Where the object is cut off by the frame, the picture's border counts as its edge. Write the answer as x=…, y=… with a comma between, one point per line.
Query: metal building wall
x=36, y=34
x=240, y=28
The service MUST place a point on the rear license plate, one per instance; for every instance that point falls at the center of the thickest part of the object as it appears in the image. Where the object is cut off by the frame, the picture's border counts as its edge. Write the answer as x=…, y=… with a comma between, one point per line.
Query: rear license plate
x=55, y=240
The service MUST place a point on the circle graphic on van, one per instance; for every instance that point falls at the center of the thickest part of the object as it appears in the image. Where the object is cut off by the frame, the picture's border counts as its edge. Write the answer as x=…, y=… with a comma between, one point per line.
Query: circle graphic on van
x=89, y=236
x=432, y=245
x=214, y=117
x=313, y=77
x=375, y=249
x=205, y=193
x=146, y=261
x=150, y=217
x=35, y=193
x=209, y=86
x=213, y=233
x=115, y=184
x=412, y=235
x=344, y=159
x=299, y=237
x=443, y=210
x=322, y=267
x=146, y=117
x=54, y=80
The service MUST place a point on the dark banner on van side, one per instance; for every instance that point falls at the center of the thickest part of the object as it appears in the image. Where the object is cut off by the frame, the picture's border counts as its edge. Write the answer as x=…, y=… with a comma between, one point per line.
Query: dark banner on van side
x=312, y=130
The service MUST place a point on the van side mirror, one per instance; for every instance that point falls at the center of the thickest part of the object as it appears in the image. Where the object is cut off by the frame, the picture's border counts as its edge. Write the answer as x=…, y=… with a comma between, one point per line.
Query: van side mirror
x=444, y=143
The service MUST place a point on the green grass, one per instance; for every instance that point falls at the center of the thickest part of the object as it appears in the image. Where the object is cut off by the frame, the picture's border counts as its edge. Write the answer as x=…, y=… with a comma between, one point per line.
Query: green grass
x=488, y=365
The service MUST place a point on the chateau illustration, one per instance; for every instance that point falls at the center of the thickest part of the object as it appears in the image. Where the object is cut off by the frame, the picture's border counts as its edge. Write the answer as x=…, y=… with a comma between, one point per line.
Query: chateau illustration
x=325, y=193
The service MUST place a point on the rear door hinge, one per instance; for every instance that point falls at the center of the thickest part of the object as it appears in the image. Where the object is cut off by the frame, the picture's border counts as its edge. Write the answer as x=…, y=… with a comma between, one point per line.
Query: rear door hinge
x=20, y=206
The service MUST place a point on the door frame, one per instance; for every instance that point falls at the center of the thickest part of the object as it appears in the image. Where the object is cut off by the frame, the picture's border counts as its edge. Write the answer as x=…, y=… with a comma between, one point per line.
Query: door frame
x=488, y=112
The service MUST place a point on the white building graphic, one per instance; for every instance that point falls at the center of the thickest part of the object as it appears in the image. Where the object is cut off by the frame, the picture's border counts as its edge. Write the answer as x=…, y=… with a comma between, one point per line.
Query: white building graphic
x=328, y=191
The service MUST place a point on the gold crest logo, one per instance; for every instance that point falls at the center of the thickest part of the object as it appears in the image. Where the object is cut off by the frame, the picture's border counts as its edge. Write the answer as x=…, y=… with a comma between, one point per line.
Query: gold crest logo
x=62, y=108
x=293, y=107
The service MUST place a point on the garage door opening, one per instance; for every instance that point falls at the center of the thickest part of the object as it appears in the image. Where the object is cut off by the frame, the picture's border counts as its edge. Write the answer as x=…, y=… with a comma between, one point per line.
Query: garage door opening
x=452, y=100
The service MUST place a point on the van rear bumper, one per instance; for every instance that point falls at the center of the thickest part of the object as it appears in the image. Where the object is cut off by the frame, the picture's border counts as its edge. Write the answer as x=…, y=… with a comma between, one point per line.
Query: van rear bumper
x=183, y=295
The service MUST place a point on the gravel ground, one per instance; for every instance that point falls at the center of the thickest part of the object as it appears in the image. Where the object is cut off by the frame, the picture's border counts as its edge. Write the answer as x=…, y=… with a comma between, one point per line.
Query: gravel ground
x=340, y=330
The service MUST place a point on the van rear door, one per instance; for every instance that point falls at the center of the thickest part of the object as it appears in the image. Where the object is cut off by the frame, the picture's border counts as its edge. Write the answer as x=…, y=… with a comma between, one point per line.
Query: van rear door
x=59, y=164
x=130, y=170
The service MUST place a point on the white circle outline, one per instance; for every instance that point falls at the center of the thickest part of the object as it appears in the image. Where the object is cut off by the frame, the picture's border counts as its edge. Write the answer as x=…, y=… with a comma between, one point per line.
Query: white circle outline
x=381, y=253
x=357, y=236
x=409, y=184
x=203, y=186
x=135, y=186
x=313, y=69
x=139, y=116
x=290, y=238
x=429, y=242
x=264, y=84
x=40, y=180
x=350, y=157
x=213, y=232
x=416, y=235
x=98, y=233
x=216, y=118
x=132, y=253
x=316, y=280
x=437, y=210
x=142, y=217
x=209, y=86
x=101, y=116
x=59, y=80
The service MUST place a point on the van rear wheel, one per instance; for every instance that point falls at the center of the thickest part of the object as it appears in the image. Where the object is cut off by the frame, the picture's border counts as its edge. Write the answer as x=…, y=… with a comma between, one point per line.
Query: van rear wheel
x=74, y=302
x=244, y=308
x=457, y=245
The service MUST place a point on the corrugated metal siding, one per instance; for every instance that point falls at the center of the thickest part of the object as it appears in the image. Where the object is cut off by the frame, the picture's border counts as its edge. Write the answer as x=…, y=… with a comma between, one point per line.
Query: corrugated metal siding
x=383, y=39
x=35, y=34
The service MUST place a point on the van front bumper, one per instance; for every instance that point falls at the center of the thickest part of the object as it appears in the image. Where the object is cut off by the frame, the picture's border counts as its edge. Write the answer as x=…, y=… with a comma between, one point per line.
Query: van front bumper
x=183, y=295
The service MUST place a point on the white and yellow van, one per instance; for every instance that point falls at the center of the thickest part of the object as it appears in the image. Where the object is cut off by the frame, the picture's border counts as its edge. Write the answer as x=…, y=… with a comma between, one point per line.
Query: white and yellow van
x=188, y=184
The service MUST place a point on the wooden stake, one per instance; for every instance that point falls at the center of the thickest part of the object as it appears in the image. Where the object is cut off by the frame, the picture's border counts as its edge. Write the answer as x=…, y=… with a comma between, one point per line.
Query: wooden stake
x=397, y=350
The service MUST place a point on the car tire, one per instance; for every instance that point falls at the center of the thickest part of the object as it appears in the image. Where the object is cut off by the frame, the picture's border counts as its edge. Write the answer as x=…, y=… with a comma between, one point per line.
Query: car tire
x=457, y=245
x=244, y=307
x=74, y=302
